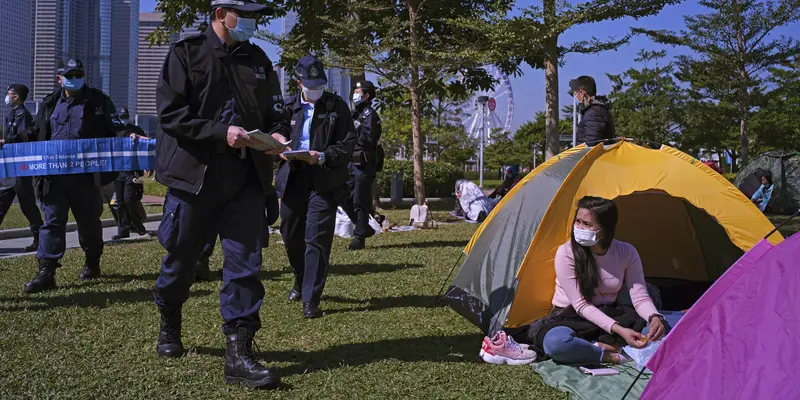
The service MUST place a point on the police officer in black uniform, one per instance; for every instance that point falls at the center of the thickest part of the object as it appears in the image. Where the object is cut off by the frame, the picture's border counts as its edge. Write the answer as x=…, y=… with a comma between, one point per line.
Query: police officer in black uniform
x=130, y=189
x=321, y=125
x=15, y=130
x=365, y=163
x=214, y=88
x=72, y=112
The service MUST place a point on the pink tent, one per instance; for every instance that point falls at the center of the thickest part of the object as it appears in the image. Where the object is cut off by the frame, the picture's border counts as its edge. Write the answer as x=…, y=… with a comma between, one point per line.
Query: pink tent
x=741, y=340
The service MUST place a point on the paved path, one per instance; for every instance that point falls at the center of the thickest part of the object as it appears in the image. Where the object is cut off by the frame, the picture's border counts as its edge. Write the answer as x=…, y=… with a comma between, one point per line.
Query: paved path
x=14, y=247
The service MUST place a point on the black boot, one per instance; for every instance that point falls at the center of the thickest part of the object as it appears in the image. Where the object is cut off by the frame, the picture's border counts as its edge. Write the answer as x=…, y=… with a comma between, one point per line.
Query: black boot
x=169, y=335
x=241, y=365
x=358, y=243
x=32, y=247
x=202, y=271
x=311, y=310
x=91, y=270
x=44, y=280
x=124, y=234
x=294, y=294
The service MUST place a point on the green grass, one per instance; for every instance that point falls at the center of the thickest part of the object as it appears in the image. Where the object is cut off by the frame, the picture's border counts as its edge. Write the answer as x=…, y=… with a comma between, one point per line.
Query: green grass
x=790, y=228
x=382, y=337
x=15, y=218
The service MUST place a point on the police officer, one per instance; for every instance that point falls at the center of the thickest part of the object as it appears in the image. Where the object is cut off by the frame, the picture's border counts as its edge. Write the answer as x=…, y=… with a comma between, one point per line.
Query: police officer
x=364, y=165
x=15, y=129
x=129, y=189
x=214, y=88
x=308, y=186
x=72, y=112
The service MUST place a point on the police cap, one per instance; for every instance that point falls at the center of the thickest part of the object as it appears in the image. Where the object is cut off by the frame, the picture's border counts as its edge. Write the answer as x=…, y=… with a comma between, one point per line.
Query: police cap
x=366, y=87
x=311, y=72
x=241, y=5
x=19, y=89
x=123, y=113
x=72, y=65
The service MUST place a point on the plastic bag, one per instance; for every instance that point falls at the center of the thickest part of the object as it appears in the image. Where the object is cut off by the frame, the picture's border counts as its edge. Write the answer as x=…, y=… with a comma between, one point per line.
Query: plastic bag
x=344, y=228
x=642, y=356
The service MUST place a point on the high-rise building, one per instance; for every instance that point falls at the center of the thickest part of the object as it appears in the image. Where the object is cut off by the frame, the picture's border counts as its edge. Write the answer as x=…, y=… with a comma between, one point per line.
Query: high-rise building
x=63, y=29
x=17, y=31
x=119, y=44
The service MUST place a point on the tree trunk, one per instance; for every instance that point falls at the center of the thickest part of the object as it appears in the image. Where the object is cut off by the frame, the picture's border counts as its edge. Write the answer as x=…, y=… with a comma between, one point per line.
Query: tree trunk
x=416, y=106
x=745, y=140
x=552, y=144
x=744, y=103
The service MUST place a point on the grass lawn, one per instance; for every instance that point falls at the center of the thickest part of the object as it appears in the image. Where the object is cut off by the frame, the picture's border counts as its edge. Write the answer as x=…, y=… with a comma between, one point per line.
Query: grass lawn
x=790, y=228
x=382, y=337
x=15, y=219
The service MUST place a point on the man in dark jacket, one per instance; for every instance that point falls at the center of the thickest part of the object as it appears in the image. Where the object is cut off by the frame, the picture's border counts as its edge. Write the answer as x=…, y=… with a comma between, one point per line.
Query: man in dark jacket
x=15, y=130
x=130, y=189
x=311, y=185
x=72, y=112
x=215, y=88
x=596, y=124
x=364, y=165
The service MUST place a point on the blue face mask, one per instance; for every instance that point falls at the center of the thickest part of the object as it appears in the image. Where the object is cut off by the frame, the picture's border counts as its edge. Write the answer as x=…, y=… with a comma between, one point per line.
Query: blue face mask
x=71, y=84
x=245, y=28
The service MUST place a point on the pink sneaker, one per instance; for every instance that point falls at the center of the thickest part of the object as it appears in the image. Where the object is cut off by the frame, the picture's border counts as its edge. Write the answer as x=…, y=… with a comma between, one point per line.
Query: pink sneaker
x=503, y=349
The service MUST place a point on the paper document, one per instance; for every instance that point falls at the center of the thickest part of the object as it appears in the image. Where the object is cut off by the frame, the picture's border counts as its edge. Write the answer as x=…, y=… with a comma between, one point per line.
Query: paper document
x=265, y=142
x=296, y=154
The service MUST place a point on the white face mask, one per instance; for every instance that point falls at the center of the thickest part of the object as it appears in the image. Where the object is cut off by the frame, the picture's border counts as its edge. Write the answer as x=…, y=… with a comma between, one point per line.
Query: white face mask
x=586, y=238
x=8, y=100
x=357, y=98
x=313, y=94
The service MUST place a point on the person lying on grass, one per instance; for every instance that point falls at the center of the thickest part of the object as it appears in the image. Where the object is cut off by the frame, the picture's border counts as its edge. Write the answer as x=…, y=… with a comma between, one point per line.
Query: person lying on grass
x=590, y=270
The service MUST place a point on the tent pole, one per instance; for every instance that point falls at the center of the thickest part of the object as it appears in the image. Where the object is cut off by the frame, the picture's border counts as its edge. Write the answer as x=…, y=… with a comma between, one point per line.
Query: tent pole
x=782, y=224
x=633, y=383
x=439, y=296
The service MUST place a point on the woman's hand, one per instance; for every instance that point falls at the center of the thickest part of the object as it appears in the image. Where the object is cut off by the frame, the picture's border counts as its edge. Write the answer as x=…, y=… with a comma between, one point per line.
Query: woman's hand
x=633, y=338
x=655, y=329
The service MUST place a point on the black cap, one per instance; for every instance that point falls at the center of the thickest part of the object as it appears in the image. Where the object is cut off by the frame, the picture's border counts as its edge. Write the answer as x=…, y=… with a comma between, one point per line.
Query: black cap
x=123, y=113
x=241, y=5
x=311, y=72
x=20, y=89
x=365, y=86
x=72, y=65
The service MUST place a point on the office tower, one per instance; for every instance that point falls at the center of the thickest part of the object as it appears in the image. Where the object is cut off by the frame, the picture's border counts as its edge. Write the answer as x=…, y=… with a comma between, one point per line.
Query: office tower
x=65, y=28
x=150, y=61
x=119, y=44
x=17, y=31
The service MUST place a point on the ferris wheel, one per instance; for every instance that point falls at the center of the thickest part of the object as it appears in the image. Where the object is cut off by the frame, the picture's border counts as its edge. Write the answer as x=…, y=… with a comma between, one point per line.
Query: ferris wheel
x=490, y=112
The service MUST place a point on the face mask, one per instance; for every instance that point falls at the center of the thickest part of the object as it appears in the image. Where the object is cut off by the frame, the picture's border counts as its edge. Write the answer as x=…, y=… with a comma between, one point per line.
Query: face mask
x=8, y=100
x=313, y=95
x=245, y=28
x=586, y=238
x=358, y=98
x=71, y=84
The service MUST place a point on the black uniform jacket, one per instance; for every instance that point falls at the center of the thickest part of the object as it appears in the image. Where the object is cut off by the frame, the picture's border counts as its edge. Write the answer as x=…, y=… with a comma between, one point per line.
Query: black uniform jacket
x=368, y=128
x=332, y=132
x=199, y=76
x=100, y=120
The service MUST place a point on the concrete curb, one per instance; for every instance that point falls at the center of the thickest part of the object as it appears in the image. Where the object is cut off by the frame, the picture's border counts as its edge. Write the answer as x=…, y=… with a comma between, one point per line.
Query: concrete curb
x=71, y=227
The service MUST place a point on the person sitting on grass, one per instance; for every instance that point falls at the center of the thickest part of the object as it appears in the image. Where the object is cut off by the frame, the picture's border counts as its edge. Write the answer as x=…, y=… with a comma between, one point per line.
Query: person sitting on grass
x=590, y=270
x=509, y=181
x=764, y=193
x=473, y=203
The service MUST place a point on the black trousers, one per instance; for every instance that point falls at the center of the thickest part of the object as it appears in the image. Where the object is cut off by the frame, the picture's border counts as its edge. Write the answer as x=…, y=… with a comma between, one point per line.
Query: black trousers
x=23, y=190
x=358, y=205
x=130, y=212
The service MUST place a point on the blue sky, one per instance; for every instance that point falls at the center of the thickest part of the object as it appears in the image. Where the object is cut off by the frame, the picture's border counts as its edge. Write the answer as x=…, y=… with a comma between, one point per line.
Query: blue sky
x=529, y=96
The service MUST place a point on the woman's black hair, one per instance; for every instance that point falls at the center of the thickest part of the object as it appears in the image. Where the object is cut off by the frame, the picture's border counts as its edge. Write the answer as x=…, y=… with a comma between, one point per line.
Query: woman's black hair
x=586, y=272
x=768, y=176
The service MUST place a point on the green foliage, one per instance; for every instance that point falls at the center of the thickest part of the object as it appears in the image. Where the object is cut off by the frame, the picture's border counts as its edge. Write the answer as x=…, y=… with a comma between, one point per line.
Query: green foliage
x=730, y=176
x=775, y=125
x=440, y=178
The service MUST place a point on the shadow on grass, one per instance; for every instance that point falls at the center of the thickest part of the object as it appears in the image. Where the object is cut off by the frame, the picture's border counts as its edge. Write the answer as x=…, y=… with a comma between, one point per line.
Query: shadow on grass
x=86, y=299
x=381, y=303
x=425, y=245
x=442, y=349
x=358, y=269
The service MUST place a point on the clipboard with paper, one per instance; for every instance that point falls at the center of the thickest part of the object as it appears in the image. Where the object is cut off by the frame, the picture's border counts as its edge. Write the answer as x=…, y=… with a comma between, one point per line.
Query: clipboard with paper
x=265, y=142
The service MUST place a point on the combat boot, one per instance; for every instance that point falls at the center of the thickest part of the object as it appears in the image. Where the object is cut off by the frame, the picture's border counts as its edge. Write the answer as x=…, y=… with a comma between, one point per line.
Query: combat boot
x=44, y=280
x=202, y=270
x=91, y=270
x=241, y=365
x=169, y=334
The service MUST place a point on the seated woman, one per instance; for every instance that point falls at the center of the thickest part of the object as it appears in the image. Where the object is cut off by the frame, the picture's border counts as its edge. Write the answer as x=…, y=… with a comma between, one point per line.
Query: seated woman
x=473, y=203
x=509, y=181
x=764, y=193
x=590, y=270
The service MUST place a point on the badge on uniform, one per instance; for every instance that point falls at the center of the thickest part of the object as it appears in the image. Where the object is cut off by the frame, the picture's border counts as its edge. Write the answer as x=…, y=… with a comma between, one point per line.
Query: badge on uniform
x=261, y=73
